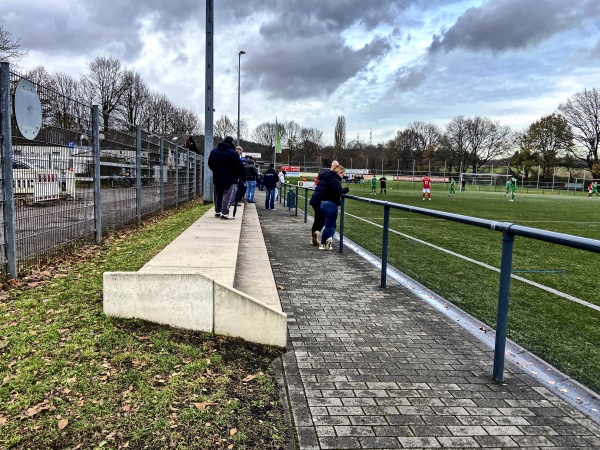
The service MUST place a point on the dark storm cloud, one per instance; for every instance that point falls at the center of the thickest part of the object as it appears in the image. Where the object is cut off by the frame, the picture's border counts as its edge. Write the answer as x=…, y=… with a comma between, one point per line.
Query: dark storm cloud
x=501, y=25
x=302, y=53
x=84, y=27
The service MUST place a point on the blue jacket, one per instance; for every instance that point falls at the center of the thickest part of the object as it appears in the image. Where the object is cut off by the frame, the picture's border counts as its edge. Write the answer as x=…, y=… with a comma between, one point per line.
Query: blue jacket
x=270, y=179
x=225, y=164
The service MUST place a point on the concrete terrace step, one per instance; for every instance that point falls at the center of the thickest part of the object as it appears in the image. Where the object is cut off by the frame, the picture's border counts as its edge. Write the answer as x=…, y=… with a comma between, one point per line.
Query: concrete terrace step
x=192, y=282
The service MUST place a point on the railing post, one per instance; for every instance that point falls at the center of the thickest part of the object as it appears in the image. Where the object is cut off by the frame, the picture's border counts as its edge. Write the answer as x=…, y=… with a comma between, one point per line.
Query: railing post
x=138, y=174
x=342, y=204
x=305, y=204
x=10, y=238
x=503, y=296
x=97, y=180
x=384, y=247
x=296, y=201
x=161, y=176
x=187, y=176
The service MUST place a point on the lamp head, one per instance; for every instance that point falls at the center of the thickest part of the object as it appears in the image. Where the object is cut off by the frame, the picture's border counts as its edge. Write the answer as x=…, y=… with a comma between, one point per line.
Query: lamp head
x=242, y=52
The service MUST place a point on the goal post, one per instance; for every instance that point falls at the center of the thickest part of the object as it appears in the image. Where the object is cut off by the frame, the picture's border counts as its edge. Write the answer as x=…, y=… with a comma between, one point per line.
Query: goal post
x=484, y=181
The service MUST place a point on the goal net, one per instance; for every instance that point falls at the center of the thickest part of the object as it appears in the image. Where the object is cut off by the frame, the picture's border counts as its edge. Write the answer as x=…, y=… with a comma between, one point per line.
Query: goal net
x=483, y=181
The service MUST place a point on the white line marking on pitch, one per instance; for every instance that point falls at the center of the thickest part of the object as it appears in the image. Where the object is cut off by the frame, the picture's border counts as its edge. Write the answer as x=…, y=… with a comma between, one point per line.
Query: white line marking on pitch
x=487, y=266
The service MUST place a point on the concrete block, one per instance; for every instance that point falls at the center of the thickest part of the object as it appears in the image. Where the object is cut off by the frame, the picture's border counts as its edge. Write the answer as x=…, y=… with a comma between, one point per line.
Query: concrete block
x=239, y=315
x=179, y=300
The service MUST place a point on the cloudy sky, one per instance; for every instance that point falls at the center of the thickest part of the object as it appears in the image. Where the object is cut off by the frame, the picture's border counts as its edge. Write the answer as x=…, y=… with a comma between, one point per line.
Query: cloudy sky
x=380, y=63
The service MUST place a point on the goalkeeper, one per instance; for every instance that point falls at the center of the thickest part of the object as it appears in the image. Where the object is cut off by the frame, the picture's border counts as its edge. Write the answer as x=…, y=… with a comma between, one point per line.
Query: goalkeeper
x=374, y=185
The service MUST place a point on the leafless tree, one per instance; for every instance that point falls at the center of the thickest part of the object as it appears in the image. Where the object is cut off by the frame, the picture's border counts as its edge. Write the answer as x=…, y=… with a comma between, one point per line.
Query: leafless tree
x=427, y=142
x=582, y=112
x=310, y=142
x=477, y=140
x=291, y=136
x=340, y=136
x=68, y=112
x=104, y=85
x=224, y=127
x=10, y=47
x=404, y=149
x=135, y=101
x=264, y=134
x=38, y=75
x=159, y=112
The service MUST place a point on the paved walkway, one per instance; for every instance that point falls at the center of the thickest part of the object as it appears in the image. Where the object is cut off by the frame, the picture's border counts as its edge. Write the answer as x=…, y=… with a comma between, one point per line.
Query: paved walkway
x=379, y=368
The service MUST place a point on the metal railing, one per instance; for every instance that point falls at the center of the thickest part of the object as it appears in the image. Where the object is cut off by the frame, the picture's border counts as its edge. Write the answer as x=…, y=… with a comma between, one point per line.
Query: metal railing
x=508, y=230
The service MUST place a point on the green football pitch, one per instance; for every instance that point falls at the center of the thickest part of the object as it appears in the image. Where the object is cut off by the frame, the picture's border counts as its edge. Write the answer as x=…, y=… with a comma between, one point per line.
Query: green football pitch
x=554, y=294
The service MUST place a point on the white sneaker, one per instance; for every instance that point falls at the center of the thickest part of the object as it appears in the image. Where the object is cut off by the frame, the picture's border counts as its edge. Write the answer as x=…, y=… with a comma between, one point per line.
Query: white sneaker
x=328, y=244
x=321, y=247
x=316, y=237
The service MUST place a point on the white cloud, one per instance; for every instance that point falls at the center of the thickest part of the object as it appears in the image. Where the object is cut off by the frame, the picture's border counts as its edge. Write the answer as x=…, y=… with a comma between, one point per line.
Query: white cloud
x=312, y=61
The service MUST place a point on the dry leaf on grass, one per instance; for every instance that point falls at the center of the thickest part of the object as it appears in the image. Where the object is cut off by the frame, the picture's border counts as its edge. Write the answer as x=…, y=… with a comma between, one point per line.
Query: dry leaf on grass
x=202, y=405
x=63, y=423
x=248, y=378
x=232, y=431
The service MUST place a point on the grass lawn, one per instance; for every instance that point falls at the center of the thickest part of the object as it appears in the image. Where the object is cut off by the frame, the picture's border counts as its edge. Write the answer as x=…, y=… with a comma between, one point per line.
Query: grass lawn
x=564, y=333
x=74, y=378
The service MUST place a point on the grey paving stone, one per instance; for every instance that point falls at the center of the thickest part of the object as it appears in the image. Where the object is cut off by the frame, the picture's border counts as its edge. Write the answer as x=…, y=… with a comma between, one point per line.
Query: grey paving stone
x=378, y=368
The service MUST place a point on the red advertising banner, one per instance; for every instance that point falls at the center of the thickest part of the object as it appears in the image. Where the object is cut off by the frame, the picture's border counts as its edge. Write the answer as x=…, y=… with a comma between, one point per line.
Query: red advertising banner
x=291, y=168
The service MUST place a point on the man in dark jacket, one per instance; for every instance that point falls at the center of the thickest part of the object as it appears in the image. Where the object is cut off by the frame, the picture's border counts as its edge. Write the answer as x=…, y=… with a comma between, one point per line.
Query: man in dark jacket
x=251, y=175
x=315, y=203
x=227, y=168
x=271, y=179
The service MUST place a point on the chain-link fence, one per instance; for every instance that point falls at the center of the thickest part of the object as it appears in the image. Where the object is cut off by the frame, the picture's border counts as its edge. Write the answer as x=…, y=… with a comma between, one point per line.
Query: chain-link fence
x=73, y=181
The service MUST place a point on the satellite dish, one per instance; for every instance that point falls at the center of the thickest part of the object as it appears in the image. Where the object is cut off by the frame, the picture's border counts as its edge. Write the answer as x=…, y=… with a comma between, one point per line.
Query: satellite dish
x=28, y=109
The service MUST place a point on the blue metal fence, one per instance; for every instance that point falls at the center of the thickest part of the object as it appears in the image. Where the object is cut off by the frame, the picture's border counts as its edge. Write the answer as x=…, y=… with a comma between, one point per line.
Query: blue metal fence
x=508, y=230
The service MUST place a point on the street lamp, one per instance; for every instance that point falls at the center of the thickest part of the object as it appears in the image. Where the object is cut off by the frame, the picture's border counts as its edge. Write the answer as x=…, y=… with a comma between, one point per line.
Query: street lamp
x=242, y=52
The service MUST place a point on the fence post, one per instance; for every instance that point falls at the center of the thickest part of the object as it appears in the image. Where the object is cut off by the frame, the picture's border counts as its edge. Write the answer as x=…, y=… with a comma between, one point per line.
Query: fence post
x=342, y=204
x=10, y=238
x=187, y=176
x=384, y=248
x=195, y=176
x=97, y=179
x=296, y=201
x=503, y=296
x=161, y=175
x=176, y=176
x=138, y=174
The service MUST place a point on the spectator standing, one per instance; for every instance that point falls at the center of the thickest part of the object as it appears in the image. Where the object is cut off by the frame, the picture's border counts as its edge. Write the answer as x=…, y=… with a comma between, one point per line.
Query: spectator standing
x=271, y=180
x=315, y=203
x=426, y=182
x=227, y=168
x=260, y=182
x=452, y=186
x=333, y=190
x=383, y=184
x=236, y=188
x=251, y=176
x=280, y=181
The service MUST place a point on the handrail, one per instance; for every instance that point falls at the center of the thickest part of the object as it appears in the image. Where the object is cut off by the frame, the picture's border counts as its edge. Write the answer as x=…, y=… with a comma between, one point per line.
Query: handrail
x=509, y=231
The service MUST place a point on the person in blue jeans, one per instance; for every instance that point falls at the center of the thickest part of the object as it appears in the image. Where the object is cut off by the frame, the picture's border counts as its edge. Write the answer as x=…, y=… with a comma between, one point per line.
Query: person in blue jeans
x=331, y=200
x=251, y=175
x=270, y=179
